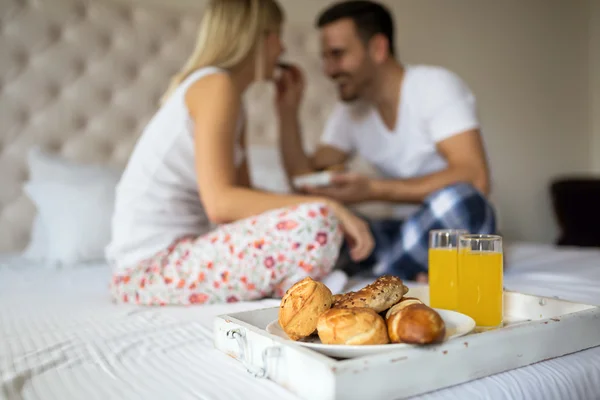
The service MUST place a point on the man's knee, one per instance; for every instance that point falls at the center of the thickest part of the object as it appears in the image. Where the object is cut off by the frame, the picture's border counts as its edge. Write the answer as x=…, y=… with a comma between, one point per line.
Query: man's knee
x=455, y=192
x=461, y=205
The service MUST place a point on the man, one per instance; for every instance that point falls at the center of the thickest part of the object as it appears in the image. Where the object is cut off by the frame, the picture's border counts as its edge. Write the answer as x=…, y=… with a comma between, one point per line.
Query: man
x=416, y=124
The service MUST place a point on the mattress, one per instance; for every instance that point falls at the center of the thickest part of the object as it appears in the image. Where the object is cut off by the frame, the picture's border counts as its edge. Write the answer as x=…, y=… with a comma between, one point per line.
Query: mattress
x=62, y=338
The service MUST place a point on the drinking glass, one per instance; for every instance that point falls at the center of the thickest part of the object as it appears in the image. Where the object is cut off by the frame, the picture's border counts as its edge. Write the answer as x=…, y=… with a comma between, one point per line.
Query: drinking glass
x=443, y=261
x=480, y=279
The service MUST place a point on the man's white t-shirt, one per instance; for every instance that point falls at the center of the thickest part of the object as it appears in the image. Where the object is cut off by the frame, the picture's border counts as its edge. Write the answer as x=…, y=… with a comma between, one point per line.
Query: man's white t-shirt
x=435, y=104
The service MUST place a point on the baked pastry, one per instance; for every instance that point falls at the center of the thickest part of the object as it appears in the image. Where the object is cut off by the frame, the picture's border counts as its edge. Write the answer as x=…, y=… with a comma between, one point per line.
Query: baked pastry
x=405, y=302
x=352, y=326
x=337, y=297
x=416, y=324
x=379, y=295
x=301, y=307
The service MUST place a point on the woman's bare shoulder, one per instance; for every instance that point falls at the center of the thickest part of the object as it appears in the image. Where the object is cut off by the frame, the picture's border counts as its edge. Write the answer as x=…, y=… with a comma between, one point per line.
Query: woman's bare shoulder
x=210, y=93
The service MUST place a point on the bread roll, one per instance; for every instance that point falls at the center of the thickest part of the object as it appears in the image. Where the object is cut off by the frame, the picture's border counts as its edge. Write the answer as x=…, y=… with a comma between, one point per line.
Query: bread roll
x=352, y=326
x=301, y=307
x=379, y=295
x=416, y=324
x=405, y=302
x=337, y=298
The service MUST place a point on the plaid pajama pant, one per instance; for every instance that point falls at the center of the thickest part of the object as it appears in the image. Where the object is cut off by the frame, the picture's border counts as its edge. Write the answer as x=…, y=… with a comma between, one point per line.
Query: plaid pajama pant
x=401, y=247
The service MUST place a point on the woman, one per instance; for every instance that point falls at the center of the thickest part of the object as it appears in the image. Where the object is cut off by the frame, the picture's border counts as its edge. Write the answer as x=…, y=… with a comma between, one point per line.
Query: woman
x=187, y=228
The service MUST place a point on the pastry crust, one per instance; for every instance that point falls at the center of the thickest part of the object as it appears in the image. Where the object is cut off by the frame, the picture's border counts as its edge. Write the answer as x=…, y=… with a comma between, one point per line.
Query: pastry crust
x=416, y=324
x=352, y=326
x=379, y=295
x=301, y=307
x=377, y=314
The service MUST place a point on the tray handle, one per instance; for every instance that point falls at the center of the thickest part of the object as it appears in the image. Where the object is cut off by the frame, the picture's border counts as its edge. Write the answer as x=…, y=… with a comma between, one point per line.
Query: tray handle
x=240, y=337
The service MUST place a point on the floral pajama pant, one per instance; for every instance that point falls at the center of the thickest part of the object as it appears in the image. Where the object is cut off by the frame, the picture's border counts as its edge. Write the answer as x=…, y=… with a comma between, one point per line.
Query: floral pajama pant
x=246, y=260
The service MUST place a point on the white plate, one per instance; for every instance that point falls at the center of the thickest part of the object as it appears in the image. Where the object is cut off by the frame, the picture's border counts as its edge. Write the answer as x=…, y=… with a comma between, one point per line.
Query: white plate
x=457, y=325
x=317, y=179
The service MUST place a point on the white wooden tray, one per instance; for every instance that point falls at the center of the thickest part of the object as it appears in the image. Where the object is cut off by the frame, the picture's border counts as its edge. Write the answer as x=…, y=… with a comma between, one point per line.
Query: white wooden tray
x=537, y=329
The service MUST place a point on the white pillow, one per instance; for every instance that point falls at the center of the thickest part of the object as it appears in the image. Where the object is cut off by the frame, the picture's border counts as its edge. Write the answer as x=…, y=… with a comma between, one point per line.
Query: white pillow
x=74, y=203
x=45, y=166
x=36, y=248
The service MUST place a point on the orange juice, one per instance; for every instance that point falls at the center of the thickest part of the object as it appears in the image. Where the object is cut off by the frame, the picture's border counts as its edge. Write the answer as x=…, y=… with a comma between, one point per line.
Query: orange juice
x=443, y=278
x=480, y=283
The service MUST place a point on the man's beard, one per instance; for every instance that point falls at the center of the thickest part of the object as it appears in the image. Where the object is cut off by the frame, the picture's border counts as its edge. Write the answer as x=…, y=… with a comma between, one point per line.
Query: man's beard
x=352, y=95
x=348, y=97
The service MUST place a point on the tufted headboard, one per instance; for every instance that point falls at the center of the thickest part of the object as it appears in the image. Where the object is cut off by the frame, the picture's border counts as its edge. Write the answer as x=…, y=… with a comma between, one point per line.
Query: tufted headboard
x=82, y=77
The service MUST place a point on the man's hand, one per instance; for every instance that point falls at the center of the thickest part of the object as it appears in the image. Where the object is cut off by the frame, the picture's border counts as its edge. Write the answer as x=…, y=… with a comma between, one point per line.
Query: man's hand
x=346, y=187
x=290, y=88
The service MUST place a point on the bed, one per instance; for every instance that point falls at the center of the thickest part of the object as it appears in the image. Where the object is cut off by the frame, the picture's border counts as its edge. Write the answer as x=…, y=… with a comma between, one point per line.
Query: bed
x=62, y=338
x=70, y=71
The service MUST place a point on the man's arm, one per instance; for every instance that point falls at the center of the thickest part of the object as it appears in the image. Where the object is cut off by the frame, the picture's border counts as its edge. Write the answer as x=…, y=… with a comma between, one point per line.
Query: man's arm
x=295, y=160
x=467, y=163
x=333, y=151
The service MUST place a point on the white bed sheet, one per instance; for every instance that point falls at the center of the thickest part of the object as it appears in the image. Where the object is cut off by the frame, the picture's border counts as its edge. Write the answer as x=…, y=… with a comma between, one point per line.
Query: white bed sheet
x=61, y=338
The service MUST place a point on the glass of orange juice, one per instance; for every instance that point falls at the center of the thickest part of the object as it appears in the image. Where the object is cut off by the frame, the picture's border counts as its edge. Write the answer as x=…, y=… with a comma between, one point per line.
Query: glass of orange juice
x=443, y=261
x=480, y=279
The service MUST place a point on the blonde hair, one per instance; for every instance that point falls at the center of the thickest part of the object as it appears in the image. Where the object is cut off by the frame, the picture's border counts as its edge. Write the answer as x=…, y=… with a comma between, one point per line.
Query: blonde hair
x=230, y=32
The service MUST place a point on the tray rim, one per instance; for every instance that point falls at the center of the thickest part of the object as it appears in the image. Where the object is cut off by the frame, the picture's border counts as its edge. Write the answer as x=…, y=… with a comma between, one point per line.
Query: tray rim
x=229, y=318
x=336, y=365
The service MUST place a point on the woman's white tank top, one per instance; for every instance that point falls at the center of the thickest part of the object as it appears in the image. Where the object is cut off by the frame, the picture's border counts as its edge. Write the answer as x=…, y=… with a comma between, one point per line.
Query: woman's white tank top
x=157, y=199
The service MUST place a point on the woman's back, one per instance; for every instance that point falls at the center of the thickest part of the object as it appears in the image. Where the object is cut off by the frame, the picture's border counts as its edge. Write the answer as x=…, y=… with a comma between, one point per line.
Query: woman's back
x=157, y=198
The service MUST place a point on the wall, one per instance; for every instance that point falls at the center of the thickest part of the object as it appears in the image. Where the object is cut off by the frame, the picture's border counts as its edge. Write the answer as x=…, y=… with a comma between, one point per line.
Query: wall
x=595, y=83
x=527, y=63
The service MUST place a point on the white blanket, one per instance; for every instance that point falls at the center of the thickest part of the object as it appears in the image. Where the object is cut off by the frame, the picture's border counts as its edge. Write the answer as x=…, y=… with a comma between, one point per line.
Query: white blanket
x=61, y=338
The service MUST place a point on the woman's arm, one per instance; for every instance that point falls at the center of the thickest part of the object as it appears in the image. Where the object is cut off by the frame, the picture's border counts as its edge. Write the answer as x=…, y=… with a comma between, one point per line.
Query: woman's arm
x=214, y=105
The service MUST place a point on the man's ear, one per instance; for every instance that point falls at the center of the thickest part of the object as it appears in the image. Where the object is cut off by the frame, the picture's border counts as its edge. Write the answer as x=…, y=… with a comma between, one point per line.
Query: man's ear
x=379, y=48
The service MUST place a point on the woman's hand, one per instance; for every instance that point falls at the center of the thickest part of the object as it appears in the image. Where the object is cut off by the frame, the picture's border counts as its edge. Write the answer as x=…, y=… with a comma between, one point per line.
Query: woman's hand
x=290, y=88
x=357, y=232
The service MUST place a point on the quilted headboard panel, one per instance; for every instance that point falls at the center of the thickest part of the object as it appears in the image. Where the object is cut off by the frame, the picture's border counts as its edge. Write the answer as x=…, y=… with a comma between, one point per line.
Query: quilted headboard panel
x=83, y=77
